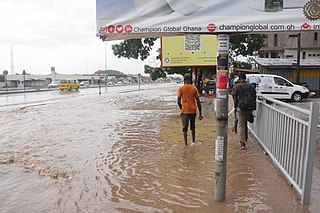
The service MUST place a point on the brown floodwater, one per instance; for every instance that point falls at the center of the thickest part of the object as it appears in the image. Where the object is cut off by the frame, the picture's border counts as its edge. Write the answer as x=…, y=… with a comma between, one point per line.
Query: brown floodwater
x=123, y=152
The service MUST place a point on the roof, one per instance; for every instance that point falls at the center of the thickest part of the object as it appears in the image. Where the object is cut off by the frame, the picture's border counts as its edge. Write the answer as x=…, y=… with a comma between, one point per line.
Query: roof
x=111, y=73
x=268, y=62
x=245, y=70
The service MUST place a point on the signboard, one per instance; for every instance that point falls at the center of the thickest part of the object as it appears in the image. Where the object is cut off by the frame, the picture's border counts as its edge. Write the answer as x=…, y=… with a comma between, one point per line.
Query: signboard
x=125, y=19
x=222, y=72
x=189, y=50
x=223, y=44
x=219, y=148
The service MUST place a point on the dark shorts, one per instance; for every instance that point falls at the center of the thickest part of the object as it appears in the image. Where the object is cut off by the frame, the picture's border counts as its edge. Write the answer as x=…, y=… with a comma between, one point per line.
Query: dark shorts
x=186, y=118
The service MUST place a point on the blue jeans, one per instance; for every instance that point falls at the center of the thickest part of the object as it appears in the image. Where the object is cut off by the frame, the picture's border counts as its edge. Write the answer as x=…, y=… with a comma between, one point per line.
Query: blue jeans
x=235, y=119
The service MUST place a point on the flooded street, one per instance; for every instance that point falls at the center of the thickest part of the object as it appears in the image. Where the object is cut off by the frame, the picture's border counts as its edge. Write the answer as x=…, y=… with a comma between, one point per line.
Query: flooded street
x=123, y=152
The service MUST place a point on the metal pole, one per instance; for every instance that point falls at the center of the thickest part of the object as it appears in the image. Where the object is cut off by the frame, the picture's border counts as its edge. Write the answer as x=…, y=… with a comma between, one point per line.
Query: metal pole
x=139, y=80
x=222, y=118
x=105, y=57
x=298, y=58
x=6, y=83
x=105, y=63
x=311, y=147
x=193, y=76
x=24, y=80
x=5, y=74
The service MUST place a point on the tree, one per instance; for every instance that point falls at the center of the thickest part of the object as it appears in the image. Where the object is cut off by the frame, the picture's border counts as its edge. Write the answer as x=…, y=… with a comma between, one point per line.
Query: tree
x=244, y=45
x=155, y=72
x=134, y=48
x=242, y=64
x=240, y=44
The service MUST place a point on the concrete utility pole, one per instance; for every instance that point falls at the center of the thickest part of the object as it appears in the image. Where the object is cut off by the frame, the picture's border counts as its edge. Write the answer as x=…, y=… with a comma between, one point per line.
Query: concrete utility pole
x=222, y=118
x=298, y=58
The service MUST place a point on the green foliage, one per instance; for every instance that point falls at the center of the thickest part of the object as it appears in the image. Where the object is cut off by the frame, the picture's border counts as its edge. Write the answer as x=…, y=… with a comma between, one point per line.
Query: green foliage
x=246, y=44
x=242, y=64
x=240, y=44
x=154, y=72
x=208, y=72
x=134, y=48
x=177, y=70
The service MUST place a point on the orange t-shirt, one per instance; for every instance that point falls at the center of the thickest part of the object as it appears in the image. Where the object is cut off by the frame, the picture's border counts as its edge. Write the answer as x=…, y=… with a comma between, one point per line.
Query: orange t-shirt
x=188, y=94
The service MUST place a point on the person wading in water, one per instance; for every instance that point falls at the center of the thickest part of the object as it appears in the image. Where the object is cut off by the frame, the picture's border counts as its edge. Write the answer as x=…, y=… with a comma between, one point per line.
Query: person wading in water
x=189, y=95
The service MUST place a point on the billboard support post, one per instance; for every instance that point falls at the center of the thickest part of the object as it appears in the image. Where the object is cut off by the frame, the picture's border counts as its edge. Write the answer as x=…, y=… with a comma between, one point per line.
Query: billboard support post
x=193, y=76
x=222, y=118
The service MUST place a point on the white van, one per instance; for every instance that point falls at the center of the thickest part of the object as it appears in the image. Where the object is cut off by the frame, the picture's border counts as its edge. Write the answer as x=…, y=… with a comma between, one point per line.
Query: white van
x=277, y=87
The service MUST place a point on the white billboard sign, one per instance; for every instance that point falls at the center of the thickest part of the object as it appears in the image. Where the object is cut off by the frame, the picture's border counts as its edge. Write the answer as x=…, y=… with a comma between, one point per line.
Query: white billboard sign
x=124, y=19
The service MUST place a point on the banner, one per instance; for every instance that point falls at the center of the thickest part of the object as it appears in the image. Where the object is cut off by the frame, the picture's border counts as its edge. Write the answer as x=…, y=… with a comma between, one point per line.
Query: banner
x=125, y=19
x=189, y=50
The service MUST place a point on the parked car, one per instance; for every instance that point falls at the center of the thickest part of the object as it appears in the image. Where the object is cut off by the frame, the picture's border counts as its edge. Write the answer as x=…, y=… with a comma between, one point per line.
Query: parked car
x=53, y=84
x=84, y=83
x=69, y=84
x=277, y=87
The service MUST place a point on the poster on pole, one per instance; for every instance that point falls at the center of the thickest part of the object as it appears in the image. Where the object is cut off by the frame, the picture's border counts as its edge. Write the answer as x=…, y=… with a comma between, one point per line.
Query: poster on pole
x=189, y=50
x=126, y=19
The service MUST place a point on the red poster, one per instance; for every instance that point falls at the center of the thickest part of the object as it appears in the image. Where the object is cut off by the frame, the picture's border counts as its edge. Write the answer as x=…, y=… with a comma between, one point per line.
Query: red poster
x=222, y=80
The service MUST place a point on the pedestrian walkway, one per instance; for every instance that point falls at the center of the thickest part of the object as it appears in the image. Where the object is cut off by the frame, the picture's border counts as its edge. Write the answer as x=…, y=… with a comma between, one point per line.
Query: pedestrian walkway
x=4, y=91
x=278, y=193
x=253, y=183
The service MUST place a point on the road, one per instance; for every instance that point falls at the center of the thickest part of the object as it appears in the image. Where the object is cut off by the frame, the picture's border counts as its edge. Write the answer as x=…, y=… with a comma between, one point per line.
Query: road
x=36, y=98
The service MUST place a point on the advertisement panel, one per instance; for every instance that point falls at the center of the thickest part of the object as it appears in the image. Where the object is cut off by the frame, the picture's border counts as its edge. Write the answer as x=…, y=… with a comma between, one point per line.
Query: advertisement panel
x=124, y=19
x=189, y=50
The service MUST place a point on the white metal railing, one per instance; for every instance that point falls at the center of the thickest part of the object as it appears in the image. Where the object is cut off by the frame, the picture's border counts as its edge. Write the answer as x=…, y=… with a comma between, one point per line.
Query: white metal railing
x=290, y=141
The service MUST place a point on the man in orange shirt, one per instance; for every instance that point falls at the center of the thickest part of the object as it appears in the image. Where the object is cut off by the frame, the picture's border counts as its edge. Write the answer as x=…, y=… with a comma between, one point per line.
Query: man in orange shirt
x=189, y=96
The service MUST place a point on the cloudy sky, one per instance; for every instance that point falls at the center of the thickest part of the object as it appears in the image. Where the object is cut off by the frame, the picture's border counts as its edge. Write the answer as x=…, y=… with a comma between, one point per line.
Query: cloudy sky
x=56, y=33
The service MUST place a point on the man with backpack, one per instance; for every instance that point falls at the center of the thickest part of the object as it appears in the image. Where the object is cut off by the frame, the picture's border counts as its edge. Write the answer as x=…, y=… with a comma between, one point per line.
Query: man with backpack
x=244, y=96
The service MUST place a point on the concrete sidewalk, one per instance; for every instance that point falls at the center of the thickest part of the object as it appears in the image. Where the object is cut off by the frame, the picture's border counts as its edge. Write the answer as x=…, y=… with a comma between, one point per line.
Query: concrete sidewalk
x=4, y=91
x=253, y=182
x=278, y=193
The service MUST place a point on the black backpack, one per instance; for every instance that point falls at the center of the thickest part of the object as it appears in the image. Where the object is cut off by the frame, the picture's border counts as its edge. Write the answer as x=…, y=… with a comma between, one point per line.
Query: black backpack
x=246, y=101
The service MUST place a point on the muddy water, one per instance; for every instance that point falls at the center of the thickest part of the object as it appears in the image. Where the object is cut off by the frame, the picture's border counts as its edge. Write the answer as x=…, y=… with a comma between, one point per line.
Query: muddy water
x=123, y=152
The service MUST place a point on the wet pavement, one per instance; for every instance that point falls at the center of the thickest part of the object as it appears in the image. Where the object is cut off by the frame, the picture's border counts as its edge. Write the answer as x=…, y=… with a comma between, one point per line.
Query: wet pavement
x=123, y=152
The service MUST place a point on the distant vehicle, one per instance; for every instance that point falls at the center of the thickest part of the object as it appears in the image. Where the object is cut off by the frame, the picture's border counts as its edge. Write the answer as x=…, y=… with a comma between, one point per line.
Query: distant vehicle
x=84, y=83
x=53, y=84
x=210, y=87
x=69, y=84
x=277, y=87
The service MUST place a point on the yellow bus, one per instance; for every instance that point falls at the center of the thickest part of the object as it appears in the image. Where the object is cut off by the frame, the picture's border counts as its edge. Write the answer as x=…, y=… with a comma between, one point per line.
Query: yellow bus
x=69, y=84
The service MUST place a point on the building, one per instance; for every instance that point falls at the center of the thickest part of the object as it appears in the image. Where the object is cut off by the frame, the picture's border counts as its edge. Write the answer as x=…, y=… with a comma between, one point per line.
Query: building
x=280, y=53
x=285, y=45
x=41, y=81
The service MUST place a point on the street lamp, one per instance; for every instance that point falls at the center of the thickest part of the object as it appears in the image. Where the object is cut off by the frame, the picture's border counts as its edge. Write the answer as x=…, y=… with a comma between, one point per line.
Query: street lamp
x=99, y=82
x=24, y=80
x=5, y=73
x=139, y=79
